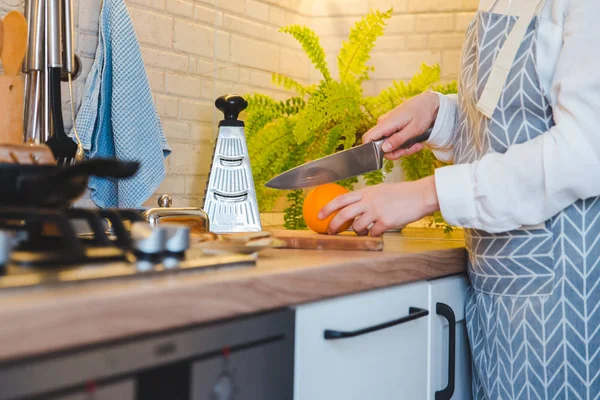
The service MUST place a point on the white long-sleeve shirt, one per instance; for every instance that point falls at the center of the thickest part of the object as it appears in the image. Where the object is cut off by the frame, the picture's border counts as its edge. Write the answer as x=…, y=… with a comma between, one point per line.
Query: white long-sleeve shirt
x=533, y=181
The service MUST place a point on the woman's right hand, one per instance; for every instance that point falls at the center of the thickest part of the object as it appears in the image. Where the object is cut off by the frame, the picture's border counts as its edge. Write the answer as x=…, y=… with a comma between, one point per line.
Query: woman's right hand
x=411, y=118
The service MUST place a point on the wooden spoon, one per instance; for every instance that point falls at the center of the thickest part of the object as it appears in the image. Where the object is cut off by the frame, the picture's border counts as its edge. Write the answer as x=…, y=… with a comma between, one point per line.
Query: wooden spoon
x=12, y=86
x=15, y=42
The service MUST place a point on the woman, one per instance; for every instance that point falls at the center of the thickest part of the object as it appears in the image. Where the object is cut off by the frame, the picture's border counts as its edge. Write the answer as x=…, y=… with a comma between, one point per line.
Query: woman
x=524, y=138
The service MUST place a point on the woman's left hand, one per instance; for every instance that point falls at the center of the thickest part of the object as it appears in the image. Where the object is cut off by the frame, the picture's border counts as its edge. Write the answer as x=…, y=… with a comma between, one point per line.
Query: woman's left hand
x=383, y=207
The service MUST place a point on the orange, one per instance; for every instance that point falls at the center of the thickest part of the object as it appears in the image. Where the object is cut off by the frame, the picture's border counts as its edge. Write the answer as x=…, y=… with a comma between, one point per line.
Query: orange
x=314, y=202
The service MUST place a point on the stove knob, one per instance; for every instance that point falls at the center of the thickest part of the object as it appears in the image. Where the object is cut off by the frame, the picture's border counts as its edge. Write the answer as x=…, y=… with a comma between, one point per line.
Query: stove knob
x=7, y=243
x=165, y=201
x=148, y=239
x=177, y=238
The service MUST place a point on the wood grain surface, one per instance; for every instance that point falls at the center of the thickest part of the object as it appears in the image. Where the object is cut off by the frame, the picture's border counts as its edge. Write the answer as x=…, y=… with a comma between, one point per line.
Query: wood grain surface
x=12, y=95
x=42, y=321
x=22, y=153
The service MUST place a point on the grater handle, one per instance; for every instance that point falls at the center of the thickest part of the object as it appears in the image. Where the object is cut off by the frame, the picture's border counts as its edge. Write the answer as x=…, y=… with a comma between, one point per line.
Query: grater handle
x=231, y=105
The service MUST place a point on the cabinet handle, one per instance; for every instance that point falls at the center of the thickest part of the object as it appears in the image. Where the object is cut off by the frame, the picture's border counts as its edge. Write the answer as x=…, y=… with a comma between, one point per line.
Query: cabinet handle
x=446, y=312
x=413, y=313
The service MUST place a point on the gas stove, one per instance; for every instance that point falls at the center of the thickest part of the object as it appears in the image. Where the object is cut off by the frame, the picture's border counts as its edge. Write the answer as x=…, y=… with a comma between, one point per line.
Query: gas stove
x=46, y=247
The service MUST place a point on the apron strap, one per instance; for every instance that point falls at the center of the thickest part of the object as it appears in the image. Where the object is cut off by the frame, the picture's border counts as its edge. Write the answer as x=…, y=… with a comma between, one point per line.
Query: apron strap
x=493, y=89
x=487, y=5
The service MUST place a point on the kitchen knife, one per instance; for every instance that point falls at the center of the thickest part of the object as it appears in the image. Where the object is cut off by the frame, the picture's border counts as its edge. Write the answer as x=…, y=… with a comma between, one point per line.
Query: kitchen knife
x=338, y=166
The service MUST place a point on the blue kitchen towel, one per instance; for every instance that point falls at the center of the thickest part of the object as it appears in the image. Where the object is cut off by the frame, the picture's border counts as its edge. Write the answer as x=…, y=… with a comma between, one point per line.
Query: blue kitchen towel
x=117, y=117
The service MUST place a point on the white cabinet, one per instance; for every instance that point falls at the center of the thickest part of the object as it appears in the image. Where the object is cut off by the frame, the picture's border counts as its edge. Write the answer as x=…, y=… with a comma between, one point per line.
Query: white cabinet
x=384, y=358
x=384, y=344
x=448, y=295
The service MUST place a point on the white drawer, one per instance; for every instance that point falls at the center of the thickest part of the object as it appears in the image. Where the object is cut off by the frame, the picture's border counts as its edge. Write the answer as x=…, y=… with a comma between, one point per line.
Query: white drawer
x=390, y=363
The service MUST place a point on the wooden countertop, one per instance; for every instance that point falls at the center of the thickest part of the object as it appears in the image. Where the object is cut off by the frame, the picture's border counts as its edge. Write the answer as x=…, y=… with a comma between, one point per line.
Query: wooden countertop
x=39, y=321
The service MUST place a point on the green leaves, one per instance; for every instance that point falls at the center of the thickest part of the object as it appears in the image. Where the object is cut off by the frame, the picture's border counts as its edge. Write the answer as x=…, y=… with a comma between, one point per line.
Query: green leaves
x=398, y=92
x=312, y=47
x=332, y=115
x=268, y=150
x=329, y=105
x=356, y=51
x=290, y=84
x=293, y=214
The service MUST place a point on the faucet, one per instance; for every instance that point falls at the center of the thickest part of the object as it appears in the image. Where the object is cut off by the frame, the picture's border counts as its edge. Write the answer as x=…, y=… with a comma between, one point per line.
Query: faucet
x=194, y=218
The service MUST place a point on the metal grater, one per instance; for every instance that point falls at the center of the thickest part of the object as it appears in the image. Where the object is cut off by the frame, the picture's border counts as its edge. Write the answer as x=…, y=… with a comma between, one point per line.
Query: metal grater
x=230, y=196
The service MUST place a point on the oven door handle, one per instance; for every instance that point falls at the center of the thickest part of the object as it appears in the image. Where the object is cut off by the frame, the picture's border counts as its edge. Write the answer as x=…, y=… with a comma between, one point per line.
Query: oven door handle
x=413, y=313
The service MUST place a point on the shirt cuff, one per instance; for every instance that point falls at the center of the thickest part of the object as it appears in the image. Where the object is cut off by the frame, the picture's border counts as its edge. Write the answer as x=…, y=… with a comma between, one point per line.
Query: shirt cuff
x=443, y=128
x=455, y=188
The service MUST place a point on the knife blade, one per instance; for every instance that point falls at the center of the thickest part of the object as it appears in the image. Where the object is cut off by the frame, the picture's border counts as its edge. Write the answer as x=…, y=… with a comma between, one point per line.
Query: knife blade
x=345, y=164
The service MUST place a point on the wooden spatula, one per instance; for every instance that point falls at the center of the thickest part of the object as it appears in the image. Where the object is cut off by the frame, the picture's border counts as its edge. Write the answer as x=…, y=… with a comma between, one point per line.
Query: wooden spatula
x=1, y=35
x=11, y=84
x=15, y=42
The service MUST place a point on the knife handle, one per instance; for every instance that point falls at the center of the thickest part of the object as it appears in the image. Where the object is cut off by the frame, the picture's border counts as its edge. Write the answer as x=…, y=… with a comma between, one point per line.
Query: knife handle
x=417, y=139
x=414, y=140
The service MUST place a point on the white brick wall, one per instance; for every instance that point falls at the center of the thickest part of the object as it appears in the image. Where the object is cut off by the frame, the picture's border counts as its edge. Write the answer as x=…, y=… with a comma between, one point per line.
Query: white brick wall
x=419, y=31
x=197, y=50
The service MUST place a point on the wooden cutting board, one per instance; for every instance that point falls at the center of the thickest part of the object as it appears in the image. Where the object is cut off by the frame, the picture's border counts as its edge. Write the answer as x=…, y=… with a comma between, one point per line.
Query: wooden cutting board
x=314, y=241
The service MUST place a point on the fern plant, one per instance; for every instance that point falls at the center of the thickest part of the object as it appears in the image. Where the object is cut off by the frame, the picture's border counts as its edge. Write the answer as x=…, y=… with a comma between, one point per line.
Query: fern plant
x=320, y=119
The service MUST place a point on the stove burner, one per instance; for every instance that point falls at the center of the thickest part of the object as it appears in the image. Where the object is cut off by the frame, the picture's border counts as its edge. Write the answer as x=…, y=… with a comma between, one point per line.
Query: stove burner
x=42, y=246
x=50, y=239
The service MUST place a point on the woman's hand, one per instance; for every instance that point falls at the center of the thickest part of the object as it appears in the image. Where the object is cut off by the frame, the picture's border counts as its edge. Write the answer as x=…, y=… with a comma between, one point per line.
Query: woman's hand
x=383, y=207
x=409, y=119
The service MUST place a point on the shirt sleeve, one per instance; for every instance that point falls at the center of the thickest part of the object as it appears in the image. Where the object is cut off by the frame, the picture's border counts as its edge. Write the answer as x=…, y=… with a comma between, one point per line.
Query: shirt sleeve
x=442, y=134
x=533, y=181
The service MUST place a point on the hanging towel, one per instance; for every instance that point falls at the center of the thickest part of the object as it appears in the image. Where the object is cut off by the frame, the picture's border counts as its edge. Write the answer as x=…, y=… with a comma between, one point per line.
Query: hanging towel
x=117, y=117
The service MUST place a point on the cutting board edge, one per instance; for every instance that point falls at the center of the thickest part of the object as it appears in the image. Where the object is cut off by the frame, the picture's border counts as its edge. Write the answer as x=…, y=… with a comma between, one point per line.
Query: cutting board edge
x=307, y=240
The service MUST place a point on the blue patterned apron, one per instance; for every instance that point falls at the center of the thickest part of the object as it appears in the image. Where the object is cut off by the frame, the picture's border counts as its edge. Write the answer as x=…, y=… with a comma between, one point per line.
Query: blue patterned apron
x=533, y=311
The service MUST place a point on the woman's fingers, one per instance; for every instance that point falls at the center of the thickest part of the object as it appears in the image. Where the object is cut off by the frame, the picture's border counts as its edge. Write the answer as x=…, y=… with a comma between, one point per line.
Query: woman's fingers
x=407, y=132
x=346, y=214
x=378, y=229
x=362, y=223
x=415, y=148
x=340, y=202
x=386, y=126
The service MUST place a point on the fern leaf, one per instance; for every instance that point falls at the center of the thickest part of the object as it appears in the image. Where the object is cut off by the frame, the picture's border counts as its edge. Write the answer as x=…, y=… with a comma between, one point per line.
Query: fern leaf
x=349, y=183
x=425, y=79
x=268, y=151
x=374, y=177
x=311, y=44
x=261, y=110
x=388, y=166
x=293, y=215
x=331, y=103
x=356, y=50
x=289, y=84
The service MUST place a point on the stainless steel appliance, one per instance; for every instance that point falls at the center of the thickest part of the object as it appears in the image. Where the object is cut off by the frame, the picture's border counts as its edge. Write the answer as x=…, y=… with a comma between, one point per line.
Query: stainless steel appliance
x=59, y=246
x=245, y=359
x=230, y=196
